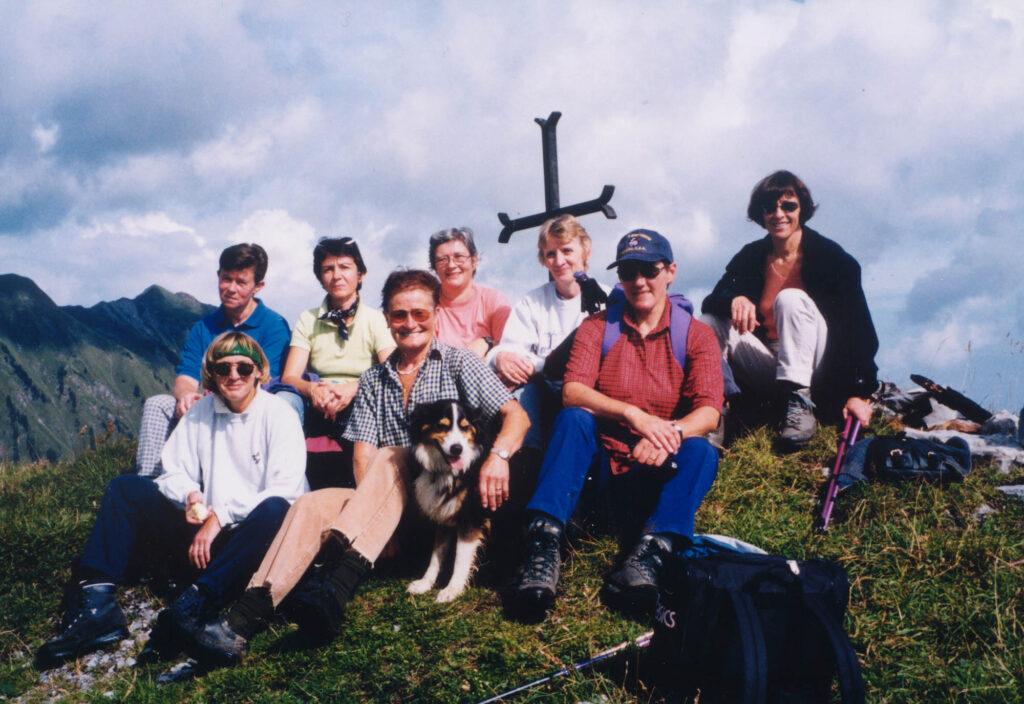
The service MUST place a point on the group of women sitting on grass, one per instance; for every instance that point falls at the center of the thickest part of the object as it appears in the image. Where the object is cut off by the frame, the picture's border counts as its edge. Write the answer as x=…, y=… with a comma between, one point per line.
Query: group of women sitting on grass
x=789, y=314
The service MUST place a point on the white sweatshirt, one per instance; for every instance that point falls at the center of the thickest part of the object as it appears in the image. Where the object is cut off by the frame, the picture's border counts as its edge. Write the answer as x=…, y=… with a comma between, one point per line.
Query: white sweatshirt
x=539, y=321
x=236, y=460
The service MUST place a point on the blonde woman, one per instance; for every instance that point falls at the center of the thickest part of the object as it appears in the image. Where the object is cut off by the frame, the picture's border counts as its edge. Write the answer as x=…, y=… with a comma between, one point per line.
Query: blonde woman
x=237, y=460
x=540, y=321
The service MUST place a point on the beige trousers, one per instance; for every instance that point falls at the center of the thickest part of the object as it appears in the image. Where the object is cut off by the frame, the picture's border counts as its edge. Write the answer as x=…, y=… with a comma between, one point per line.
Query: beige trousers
x=367, y=516
x=795, y=357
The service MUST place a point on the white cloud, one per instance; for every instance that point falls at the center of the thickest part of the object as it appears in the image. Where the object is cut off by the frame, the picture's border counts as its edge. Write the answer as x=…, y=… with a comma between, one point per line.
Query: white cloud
x=45, y=136
x=143, y=139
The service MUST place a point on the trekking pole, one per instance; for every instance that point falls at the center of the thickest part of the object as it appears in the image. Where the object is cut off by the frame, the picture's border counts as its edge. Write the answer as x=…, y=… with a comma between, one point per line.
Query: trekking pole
x=641, y=641
x=846, y=441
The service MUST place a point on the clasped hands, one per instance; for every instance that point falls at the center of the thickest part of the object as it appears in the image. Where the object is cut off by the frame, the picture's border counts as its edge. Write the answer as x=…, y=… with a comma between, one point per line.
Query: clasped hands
x=331, y=399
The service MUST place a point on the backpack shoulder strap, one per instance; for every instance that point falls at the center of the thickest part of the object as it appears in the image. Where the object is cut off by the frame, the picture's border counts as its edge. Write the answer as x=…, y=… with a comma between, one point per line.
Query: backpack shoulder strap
x=754, y=653
x=680, y=315
x=851, y=684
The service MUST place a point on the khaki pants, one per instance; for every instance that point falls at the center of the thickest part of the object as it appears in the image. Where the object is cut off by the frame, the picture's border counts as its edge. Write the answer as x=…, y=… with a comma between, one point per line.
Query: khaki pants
x=795, y=357
x=367, y=516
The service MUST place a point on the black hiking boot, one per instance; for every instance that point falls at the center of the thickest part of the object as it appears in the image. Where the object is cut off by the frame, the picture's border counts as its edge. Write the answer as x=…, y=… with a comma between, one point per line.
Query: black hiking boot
x=93, y=621
x=176, y=625
x=634, y=585
x=319, y=606
x=224, y=640
x=538, y=579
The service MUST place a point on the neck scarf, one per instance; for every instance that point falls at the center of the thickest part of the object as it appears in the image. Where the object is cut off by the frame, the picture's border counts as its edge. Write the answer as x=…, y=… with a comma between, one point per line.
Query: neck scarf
x=341, y=317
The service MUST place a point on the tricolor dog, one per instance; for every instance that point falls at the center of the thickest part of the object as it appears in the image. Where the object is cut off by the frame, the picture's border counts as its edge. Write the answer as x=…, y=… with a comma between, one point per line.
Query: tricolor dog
x=448, y=450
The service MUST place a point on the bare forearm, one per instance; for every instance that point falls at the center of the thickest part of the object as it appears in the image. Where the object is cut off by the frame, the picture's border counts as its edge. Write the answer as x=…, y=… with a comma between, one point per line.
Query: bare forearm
x=514, y=424
x=575, y=394
x=699, y=422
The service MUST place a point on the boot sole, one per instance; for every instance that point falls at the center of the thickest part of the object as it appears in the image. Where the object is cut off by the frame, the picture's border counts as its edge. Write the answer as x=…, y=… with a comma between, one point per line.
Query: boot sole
x=103, y=642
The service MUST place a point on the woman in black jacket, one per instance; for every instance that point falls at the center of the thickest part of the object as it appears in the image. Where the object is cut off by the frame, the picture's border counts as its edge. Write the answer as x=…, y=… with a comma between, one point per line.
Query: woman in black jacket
x=790, y=314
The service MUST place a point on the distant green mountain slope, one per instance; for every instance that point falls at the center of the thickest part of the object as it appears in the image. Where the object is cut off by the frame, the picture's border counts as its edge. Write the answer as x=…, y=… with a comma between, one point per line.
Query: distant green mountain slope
x=68, y=373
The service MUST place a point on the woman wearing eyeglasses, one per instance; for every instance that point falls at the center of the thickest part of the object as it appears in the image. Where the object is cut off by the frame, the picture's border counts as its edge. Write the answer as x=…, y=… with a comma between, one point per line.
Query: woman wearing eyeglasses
x=232, y=467
x=470, y=315
x=335, y=342
x=791, y=316
x=345, y=530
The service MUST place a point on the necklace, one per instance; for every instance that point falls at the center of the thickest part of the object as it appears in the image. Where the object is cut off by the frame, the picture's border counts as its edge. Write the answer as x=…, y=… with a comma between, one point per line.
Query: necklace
x=410, y=370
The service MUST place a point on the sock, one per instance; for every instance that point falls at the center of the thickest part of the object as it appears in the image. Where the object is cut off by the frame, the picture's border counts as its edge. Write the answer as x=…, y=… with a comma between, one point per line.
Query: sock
x=334, y=548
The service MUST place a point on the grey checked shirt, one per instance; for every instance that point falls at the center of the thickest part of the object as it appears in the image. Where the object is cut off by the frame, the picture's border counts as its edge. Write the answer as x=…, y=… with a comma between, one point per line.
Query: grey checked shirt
x=378, y=416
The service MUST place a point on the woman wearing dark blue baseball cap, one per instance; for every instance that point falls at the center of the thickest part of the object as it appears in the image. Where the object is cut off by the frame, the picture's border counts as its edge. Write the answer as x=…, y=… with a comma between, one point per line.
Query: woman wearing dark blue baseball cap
x=791, y=316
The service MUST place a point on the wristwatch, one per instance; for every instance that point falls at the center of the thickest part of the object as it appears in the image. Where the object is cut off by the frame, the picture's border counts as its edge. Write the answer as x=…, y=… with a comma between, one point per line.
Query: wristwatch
x=503, y=454
x=679, y=429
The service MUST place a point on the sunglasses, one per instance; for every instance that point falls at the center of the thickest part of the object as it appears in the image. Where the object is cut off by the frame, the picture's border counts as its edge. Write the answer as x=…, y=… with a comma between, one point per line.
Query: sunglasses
x=420, y=315
x=788, y=206
x=244, y=369
x=629, y=271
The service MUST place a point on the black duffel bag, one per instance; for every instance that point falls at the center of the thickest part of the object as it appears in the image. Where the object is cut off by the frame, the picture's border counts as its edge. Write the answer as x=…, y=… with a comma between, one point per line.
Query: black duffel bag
x=753, y=629
x=914, y=458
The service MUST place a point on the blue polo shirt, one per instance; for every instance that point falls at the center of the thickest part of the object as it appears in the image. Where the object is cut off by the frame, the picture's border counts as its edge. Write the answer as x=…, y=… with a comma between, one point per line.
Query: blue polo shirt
x=264, y=325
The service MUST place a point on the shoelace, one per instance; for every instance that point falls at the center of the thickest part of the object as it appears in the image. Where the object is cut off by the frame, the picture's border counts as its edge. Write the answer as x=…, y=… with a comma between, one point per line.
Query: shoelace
x=795, y=411
x=648, y=549
x=544, y=551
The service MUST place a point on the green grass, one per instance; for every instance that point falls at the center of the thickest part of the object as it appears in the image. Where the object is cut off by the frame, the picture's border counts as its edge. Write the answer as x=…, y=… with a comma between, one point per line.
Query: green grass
x=936, y=604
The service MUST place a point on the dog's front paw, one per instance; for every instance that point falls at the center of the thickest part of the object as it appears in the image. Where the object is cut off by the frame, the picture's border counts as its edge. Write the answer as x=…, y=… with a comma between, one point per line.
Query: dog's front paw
x=447, y=594
x=420, y=586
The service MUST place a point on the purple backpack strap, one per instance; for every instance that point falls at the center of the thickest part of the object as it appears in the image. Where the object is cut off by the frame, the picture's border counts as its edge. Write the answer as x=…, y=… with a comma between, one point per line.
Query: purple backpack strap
x=679, y=323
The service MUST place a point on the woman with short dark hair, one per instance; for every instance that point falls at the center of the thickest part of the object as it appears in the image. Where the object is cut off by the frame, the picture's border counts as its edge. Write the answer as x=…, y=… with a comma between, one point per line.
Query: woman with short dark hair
x=335, y=342
x=791, y=316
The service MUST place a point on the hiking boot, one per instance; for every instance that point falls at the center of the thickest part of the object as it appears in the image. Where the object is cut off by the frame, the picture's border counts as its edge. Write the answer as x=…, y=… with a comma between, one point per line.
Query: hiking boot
x=93, y=621
x=635, y=582
x=176, y=625
x=799, y=424
x=319, y=608
x=538, y=579
x=224, y=640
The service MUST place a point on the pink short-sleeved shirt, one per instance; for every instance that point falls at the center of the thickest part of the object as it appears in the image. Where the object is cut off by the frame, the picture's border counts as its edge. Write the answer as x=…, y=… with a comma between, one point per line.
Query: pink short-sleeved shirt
x=482, y=315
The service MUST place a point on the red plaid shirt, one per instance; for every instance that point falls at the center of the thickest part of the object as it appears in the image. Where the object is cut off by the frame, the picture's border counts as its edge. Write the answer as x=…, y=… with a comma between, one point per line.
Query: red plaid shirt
x=642, y=371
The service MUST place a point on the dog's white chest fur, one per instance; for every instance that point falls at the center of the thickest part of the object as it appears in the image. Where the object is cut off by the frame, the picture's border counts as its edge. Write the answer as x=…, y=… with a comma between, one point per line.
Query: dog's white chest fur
x=446, y=451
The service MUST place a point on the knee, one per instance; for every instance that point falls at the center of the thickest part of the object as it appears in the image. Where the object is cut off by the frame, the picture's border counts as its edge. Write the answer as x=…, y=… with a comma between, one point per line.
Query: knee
x=272, y=508
x=162, y=404
x=574, y=418
x=792, y=299
x=697, y=450
x=129, y=486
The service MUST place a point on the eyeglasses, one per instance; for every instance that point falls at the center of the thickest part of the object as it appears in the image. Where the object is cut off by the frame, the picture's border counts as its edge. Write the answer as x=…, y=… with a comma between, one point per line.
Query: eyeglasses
x=788, y=206
x=458, y=259
x=244, y=369
x=420, y=315
x=629, y=271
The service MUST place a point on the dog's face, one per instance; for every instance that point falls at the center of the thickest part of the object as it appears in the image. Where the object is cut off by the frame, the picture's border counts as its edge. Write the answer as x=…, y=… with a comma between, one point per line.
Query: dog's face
x=444, y=434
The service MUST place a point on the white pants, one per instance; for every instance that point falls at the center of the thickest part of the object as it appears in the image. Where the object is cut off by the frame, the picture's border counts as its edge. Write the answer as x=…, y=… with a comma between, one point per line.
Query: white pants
x=796, y=355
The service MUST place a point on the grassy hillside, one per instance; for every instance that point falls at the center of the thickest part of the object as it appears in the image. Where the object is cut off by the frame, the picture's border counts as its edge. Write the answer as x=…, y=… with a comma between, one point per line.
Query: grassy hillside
x=936, y=613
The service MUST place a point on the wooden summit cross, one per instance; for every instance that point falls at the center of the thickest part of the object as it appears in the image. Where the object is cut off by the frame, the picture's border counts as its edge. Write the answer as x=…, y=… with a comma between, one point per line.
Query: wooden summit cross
x=552, y=209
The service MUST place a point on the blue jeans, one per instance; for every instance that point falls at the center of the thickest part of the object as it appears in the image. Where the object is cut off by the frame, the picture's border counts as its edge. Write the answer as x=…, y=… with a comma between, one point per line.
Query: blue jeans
x=134, y=516
x=541, y=399
x=671, y=497
x=296, y=401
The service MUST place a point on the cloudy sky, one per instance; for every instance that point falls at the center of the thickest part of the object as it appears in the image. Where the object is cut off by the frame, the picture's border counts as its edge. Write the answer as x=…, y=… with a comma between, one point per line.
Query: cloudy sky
x=138, y=141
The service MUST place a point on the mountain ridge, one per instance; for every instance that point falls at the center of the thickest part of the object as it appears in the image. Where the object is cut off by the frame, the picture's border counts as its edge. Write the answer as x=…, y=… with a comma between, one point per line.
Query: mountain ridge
x=70, y=373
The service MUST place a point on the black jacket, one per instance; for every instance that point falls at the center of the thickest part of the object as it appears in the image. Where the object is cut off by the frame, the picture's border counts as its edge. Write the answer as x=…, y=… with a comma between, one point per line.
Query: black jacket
x=832, y=279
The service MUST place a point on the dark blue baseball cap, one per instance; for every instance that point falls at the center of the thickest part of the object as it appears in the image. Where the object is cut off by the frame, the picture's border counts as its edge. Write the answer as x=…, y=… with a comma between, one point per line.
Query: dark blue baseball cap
x=642, y=246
